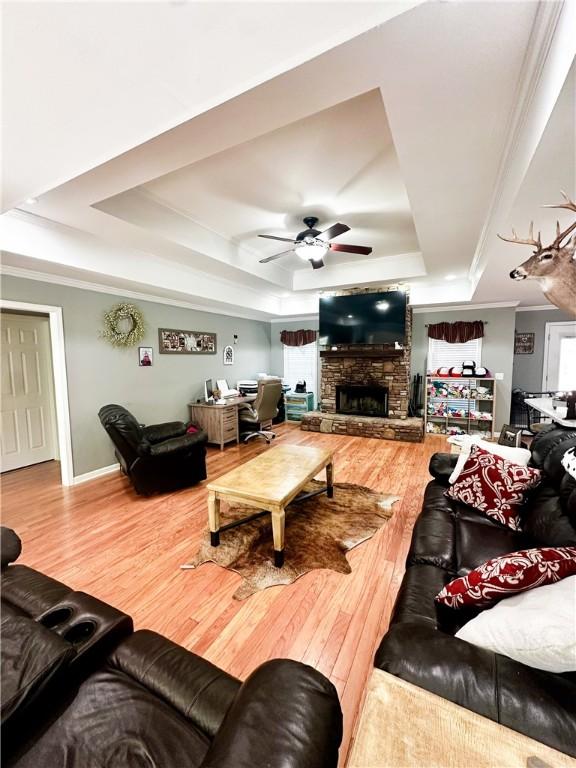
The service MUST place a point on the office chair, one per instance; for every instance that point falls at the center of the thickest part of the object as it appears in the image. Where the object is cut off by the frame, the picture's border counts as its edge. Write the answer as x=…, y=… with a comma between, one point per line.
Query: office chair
x=257, y=418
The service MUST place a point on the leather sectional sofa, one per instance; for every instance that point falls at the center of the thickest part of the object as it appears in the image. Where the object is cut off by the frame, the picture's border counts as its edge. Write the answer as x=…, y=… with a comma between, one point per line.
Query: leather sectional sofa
x=80, y=689
x=449, y=540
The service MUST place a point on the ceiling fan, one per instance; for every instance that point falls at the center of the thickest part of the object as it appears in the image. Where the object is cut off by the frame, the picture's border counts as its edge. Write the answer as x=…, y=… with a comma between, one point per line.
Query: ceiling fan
x=312, y=245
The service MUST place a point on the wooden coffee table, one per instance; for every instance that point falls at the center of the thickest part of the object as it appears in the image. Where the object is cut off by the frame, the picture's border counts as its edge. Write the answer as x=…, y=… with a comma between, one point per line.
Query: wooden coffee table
x=270, y=482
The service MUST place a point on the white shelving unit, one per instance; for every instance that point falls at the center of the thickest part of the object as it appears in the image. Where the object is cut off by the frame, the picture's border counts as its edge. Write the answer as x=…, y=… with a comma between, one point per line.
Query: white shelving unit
x=460, y=405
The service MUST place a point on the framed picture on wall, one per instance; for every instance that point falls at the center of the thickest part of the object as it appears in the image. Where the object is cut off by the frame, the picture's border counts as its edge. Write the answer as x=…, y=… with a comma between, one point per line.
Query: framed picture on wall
x=524, y=343
x=172, y=341
x=228, y=355
x=145, y=356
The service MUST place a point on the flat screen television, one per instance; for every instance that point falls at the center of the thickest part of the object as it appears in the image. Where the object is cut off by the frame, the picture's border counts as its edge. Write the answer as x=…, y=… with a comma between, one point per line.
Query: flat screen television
x=363, y=318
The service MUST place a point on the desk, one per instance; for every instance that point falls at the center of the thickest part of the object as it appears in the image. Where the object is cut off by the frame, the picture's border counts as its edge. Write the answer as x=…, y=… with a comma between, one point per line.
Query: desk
x=544, y=405
x=219, y=421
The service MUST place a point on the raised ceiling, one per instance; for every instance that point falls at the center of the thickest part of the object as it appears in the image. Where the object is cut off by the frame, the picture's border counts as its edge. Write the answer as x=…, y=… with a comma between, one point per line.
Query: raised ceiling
x=338, y=165
x=410, y=133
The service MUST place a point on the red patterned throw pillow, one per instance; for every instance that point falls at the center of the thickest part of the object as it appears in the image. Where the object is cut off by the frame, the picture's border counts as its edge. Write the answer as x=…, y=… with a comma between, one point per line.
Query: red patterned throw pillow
x=508, y=574
x=494, y=486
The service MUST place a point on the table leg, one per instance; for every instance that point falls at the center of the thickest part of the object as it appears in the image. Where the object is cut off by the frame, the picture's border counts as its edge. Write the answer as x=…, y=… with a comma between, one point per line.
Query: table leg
x=214, y=518
x=330, y=480
x=278, y=518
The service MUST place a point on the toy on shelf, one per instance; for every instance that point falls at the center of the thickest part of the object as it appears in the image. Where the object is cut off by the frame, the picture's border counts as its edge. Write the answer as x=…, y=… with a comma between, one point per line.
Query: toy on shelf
x=459, y=404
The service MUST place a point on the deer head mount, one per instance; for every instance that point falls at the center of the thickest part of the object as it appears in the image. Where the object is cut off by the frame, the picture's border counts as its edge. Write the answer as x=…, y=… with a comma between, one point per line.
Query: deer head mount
x=554, y=265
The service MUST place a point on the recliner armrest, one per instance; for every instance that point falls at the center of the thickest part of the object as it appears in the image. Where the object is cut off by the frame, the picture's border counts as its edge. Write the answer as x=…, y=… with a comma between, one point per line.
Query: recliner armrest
x=177, y=444
x=155, y=433
x=285, y=715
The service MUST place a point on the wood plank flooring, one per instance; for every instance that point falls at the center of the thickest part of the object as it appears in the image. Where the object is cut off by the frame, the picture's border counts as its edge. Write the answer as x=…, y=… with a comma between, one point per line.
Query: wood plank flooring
x=100, y=537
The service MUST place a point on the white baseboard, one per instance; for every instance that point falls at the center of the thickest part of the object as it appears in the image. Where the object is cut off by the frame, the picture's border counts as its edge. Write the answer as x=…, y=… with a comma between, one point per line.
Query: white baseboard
x=95, y=473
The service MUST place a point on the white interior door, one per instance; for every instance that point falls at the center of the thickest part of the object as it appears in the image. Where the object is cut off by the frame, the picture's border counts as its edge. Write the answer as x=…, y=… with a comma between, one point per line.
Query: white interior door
x=27, y=413
x=560, y=357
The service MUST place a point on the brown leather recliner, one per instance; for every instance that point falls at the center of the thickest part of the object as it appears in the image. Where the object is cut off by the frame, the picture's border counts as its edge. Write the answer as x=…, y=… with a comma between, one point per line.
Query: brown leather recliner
x=157, y=458
x=151, y=702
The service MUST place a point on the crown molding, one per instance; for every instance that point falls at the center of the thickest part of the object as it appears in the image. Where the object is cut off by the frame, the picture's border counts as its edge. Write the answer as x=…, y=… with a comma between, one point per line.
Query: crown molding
x=539, y=308
x=465, y=307
x=85, y=285
x=537, y=52
x=293, y=319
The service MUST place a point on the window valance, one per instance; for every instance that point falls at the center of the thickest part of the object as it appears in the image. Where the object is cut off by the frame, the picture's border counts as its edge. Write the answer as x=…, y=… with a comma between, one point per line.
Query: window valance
x=457, y=333
x=298, y=338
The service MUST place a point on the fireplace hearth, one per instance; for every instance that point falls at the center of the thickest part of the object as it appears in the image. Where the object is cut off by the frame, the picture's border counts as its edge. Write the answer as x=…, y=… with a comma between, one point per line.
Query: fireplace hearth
x=362, y=400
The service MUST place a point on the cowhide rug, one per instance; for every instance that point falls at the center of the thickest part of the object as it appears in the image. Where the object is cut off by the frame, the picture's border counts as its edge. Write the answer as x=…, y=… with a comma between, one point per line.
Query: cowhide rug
x=319, y=532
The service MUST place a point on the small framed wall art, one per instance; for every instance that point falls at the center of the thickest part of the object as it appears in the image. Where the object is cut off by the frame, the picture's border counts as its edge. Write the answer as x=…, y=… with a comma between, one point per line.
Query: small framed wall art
x=511, y=436
x=524, y=343
x=228, y=355
x=145, y=356
x=172, y=341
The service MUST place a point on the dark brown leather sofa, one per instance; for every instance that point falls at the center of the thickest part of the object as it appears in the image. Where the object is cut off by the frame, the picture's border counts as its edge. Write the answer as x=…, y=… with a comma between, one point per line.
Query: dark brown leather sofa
x=111, y=697
x=449, y=540
x=157, y=458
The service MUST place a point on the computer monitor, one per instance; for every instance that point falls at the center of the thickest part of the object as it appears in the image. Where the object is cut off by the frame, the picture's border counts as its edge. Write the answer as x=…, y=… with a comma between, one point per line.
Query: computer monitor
x=208, y=390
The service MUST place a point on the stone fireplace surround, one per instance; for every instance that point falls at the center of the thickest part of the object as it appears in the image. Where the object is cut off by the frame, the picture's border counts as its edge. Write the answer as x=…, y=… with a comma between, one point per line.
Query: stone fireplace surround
x=368, y=366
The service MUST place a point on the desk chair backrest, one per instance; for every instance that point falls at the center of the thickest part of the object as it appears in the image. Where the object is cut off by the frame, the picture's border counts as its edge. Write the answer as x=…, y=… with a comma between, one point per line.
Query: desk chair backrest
x=267, y=399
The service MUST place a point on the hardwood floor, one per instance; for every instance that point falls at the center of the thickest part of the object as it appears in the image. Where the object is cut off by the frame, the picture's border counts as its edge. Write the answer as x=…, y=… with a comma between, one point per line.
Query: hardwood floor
x=100, y=537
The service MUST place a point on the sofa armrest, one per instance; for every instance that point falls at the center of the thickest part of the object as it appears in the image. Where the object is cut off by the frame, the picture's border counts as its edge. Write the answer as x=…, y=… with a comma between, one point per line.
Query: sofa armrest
x=442, y=465
x=155, y=433
x=285, y=715
x=10, y=546
x=540, y=704
x=201, y=692
x=177, y=444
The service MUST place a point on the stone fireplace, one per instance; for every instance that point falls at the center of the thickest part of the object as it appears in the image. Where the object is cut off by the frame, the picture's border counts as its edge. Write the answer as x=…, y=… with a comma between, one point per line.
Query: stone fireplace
x=352, y=385
x=361, y=400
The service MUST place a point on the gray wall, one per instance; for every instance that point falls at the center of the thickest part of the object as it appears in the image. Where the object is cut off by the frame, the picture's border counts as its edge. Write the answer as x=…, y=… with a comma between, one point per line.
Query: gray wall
x=99, y=374
x=528, y=368
x=497, y=348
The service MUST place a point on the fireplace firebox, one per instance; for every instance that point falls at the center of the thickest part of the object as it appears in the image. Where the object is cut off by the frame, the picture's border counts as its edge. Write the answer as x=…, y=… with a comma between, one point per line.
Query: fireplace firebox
x=362, y=399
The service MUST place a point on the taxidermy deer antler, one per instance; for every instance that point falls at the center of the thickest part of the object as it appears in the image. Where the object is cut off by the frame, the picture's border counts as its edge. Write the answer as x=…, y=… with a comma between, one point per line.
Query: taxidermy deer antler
x=554, y=265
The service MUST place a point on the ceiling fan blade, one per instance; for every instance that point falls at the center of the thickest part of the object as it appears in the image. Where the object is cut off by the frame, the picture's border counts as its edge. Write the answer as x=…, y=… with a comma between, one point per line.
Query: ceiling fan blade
x=333, y=231
x=350, y=248
x=316, y=264
x=276, y=256
x=283, y=239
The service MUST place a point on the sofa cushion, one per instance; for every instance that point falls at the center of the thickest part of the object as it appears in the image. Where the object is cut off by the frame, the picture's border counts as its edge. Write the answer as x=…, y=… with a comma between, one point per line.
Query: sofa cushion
x=508, y=574
x=117, y=721
x=477, y=542
x=31, y=591
x=201, y=692
x=537, y=628
x=32, y=659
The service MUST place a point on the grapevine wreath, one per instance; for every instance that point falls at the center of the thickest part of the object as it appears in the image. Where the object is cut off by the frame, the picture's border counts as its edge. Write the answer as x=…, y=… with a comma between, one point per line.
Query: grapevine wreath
x=112, y=331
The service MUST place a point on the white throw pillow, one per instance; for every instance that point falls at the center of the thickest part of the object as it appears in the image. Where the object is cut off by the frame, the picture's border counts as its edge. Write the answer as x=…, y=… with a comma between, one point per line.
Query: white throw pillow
x=536, y=628
x=519, y=456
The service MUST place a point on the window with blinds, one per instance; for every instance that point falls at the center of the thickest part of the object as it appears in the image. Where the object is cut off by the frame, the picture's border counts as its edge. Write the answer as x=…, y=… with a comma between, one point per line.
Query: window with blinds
x=443, y=354
x=301, y=363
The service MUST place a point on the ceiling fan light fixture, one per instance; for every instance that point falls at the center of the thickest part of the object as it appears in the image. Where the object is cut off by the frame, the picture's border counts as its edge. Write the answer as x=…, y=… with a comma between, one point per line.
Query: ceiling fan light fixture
x=311, y=251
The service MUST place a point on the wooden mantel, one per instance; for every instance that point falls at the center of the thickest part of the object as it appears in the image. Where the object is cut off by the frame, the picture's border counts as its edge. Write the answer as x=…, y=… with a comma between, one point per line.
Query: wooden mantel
x=382, y=354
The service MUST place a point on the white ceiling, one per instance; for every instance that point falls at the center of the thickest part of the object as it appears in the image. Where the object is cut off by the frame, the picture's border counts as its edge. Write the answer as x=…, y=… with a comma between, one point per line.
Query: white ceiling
x=410, y=133
x=338, y=165
x=86, y=81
